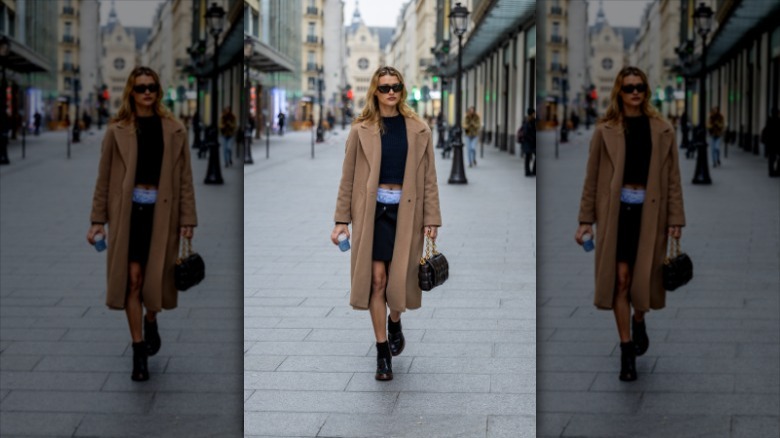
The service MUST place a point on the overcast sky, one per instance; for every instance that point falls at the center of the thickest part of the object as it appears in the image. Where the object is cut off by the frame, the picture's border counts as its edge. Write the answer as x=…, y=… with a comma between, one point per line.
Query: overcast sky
x=621, y=13
x=383, y=13
x=133, y=13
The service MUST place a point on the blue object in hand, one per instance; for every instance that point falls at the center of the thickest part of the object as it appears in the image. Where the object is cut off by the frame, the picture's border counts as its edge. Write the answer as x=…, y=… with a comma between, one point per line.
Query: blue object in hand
x=588, y=244
x=343, y=243
x=100, y=243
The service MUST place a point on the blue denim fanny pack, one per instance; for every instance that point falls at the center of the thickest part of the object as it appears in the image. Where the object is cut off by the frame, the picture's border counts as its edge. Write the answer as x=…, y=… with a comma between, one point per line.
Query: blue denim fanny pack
x=632, y=196
x=144, y=196
x=386, y=196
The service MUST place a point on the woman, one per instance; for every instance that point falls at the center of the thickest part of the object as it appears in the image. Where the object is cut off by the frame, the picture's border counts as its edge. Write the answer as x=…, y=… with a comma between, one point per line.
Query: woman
x=471, y=125
x=529, y=142
x=715, y=127
x=144, y=192
x=632, y=192
x=227, y=127
x=389, y=193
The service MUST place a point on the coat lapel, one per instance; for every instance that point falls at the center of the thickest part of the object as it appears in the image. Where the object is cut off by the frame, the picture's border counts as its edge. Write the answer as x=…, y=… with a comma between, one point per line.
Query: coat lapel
x=615, y=144
x=127, y=144
x=660, y=150
x=371, y=144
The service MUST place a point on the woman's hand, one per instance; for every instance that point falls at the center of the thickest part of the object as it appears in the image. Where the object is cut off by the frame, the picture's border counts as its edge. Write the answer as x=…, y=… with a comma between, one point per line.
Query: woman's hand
x=675, y=232
x=338, y=230
x=582, y=230
x=93, y=231
x=431, y=231
x=186, y=232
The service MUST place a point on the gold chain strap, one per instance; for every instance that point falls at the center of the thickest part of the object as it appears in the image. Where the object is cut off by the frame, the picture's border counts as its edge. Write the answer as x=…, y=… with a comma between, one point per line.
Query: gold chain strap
x=430, y=250
x=673, y=249
x=185, y=249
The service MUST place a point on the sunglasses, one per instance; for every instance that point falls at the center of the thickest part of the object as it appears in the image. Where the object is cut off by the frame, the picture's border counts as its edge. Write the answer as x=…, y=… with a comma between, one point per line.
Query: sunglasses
x=141, y=89
x=384, y=89
x=629, y=89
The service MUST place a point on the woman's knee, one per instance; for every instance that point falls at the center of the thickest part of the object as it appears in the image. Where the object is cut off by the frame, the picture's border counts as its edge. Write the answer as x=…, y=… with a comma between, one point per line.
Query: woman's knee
x=135, y=279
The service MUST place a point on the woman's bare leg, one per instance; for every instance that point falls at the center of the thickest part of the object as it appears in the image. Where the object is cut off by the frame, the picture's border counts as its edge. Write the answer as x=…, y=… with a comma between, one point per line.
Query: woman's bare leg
x=133, y=307
x=620, y=305
x=377, y=304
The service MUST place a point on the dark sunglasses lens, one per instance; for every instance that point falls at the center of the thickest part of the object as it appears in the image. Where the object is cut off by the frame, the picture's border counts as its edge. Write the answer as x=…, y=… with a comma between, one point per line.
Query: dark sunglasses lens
x=397, y=87
x=142, y=88
x=628, y=89
x=384, y=89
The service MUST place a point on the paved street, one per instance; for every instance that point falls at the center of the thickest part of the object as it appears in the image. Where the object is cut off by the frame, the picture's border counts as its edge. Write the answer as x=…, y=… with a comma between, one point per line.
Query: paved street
x=65, y=359
x=469, y=366
x=712, y=366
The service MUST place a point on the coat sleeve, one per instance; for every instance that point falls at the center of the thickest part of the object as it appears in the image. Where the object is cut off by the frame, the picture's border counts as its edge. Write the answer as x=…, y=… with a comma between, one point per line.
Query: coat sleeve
x=344, y=199
x=431, y=208
x=588, y=201
x=676, y=210
x=187, y=214
x=99, y=212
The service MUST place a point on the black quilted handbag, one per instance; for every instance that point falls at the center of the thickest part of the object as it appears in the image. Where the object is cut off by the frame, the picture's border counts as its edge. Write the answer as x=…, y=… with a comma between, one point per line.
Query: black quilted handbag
x=190, y=268
x=678, y=267
x=434, y=268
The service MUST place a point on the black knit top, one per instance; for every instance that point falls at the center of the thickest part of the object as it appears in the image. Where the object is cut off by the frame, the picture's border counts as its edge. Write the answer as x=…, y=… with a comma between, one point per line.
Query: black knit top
x=638, y=148
x=394, y=150
x=150, y=150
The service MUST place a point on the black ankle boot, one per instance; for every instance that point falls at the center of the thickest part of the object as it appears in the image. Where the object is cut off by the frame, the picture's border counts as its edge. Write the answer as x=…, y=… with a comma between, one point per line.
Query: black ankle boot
x=140, y=365
x=395, y=337
x=384, y=362
x=628, y=361
x=639, y=336
x=152, y=336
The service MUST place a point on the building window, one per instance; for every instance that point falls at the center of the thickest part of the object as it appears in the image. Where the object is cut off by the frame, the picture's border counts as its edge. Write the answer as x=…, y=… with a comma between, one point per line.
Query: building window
x=362, y=38
x=363, y=63
x=68, y=57
x=556, y=28
x=312, y=84
x=312, y=28
x=256, y=24
x=68, y=28
x=119, y=64
x=68, y=83
x=312, y=57
x=607, y=63
x=556, y=83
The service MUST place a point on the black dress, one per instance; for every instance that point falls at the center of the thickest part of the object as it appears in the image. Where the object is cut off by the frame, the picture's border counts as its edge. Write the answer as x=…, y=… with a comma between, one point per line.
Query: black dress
x=148, y=167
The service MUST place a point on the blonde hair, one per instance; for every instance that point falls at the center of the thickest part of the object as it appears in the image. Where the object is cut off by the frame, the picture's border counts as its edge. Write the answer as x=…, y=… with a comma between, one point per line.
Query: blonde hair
x=371, y=110
x=126, y=112
x=614, y=115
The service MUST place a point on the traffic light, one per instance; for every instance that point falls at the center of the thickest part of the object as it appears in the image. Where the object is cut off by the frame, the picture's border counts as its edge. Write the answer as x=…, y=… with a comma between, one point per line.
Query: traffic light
x=349, y=95
x=416, y=94
x=679, y=79
x=435, y=79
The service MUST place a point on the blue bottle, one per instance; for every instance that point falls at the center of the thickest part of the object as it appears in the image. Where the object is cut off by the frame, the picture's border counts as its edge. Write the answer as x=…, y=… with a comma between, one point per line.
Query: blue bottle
x=100, y=242
x=343, y=243
x=587, y=243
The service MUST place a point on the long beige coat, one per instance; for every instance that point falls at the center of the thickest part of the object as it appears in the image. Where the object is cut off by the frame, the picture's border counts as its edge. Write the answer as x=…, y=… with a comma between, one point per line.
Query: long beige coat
x=419, y=207
x=663, y=207
x=175, y=207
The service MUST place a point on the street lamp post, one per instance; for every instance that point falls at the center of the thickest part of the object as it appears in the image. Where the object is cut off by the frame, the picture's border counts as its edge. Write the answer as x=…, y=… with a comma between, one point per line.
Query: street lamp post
x=564, y=127
x=196, y=55
x=320, y=80
x=703, y=22
x=684, y=52
x=214, y=17
x=248, y=48
x=458, y=23
x=76, y=129
x=5, y=49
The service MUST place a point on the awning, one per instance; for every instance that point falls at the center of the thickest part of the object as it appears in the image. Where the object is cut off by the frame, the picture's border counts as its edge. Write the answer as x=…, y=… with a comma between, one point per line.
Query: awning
x=503, y=18
x=747, y=20
x=22, y=59
x=231, y=52
x=267, y=60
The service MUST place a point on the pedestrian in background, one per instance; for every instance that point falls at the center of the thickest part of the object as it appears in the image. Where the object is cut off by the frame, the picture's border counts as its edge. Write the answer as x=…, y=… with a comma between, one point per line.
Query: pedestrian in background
x=388, y=232
x=37, y=123
x=227, y=128
x=471, y=125
x=331, y=120
x=633, y=145
x=770, y=136
x=280, y=119
x=715, y=125
x=144, y=188
x=528, y=146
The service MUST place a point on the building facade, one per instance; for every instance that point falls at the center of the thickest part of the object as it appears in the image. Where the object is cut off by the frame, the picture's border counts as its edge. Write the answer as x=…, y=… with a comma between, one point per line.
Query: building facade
x=608, y=54
x=312, y=61
x=334, y=58
x=363, y=58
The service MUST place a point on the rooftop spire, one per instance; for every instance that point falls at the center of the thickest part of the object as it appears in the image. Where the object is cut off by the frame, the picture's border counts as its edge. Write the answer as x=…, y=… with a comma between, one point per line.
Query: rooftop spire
x=600, y=17
x=112, y=18
x=356, y=15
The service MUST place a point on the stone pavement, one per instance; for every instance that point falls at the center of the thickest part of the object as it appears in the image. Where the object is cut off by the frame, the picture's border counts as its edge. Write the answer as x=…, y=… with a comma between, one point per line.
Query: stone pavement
x=65, y=359
x=468, y=369
x=712, y=366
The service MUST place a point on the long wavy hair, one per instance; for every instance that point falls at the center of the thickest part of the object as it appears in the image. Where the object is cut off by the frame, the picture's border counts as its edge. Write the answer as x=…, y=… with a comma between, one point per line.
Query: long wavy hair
x=371, y=113
x=614, y=115
x=126, y=112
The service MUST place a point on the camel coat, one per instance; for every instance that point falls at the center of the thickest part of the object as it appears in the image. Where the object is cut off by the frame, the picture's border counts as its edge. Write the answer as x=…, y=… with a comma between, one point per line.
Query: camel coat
x=419, y=207
x=175, y=207
x=663, y=207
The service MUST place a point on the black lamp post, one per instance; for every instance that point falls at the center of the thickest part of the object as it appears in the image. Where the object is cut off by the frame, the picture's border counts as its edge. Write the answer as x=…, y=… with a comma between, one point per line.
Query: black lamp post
x=564, y=84
x=248, y=49
x=5, y=49
x=703, y=22
x=320, y=81
x=76, y=129
x=214, y=18
x=196, y=54
x=458, y=23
